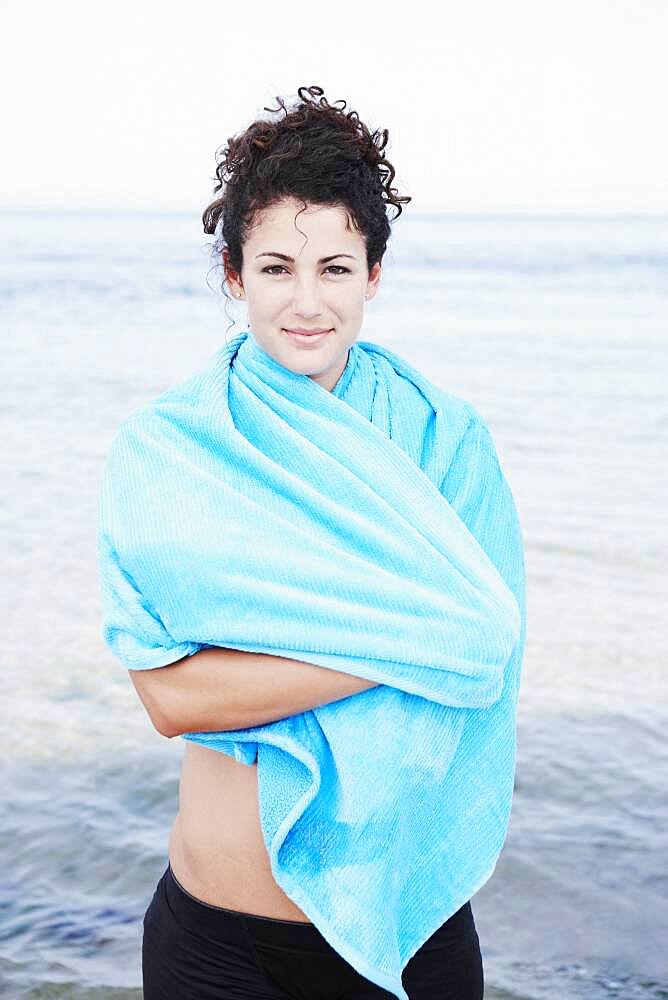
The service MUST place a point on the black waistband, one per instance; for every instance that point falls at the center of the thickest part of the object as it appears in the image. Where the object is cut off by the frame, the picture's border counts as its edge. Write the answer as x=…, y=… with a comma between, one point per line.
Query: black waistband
x=216, y=921
x=219, y=919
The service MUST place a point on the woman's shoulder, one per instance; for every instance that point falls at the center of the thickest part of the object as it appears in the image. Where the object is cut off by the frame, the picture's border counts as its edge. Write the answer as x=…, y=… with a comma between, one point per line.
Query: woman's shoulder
x=418, y=384
x=452, y=418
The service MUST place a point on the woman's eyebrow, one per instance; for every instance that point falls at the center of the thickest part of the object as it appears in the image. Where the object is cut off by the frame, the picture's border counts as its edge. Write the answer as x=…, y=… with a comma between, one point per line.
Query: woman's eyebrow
x=291, y=260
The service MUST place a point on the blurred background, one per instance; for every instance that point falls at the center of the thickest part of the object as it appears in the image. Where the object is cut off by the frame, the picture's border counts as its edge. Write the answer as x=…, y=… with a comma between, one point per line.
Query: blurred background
x=529, y=275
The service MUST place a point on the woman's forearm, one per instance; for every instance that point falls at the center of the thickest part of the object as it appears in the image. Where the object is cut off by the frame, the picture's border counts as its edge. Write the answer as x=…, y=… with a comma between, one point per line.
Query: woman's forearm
x=219, y=689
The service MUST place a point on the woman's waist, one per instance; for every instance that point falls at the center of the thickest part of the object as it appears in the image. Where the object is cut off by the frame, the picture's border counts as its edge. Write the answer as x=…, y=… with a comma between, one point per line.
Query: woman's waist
x=216, y=845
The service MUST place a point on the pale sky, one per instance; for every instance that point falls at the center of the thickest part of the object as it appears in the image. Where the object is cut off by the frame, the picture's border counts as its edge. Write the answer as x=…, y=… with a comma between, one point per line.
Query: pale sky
x=520, y=106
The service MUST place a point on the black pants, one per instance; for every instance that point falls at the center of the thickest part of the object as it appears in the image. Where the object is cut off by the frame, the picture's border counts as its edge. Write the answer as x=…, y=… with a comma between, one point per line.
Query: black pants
x=195, y=951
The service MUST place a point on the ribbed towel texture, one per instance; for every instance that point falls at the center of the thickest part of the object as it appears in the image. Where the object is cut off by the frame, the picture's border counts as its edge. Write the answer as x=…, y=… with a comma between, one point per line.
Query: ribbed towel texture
x=371, y=530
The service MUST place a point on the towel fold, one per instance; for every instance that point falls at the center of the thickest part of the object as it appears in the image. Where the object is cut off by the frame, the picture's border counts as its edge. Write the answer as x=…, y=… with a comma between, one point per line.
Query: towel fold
x=370, y=530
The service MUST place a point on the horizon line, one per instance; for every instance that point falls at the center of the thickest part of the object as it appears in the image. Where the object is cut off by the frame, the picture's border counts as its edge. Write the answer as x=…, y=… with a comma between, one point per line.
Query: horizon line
x=424, y=213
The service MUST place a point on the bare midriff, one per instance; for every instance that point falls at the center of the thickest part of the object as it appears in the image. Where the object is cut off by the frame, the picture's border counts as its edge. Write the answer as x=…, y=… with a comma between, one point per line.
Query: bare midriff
x=216, y=847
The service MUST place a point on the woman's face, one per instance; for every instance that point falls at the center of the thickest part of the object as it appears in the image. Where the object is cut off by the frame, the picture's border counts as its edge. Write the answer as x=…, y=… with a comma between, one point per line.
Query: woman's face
x=316, y=279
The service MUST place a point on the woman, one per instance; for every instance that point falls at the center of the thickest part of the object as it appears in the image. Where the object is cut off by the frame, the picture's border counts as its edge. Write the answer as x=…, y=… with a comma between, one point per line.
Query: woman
x=302, y=229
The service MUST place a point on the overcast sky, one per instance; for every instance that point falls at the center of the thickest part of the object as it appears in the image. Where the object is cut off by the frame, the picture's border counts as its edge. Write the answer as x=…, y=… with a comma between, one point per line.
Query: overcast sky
x=507, y=106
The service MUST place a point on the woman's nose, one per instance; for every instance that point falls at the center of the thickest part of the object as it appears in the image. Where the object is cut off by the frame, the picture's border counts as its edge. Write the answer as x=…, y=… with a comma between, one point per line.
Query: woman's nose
x=307, y=299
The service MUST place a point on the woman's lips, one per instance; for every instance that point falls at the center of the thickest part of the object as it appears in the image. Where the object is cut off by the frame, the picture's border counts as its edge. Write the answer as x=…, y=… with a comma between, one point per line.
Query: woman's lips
x=306, y=338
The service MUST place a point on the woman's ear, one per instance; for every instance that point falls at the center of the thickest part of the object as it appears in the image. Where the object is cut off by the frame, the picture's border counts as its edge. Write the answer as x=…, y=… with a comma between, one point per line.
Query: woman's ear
x=373, y=282
x=232, y=278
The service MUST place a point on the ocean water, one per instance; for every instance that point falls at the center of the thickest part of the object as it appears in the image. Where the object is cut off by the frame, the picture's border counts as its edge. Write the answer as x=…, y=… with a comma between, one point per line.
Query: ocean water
x=556, y=329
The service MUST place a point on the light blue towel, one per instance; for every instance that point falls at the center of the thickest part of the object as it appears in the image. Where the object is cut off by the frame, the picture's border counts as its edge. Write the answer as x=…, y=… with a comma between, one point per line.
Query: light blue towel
x=371, y=530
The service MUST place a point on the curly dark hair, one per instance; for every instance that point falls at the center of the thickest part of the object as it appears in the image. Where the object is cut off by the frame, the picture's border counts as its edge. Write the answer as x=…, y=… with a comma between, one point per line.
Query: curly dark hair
x=316, y=153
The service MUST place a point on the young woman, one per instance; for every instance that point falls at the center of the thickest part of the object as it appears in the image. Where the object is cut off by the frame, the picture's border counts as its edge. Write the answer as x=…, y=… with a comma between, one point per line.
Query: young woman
x=301, y=229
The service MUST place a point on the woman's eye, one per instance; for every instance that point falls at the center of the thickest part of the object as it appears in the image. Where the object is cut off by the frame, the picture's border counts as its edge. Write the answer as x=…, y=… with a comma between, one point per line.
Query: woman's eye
x=274, y=268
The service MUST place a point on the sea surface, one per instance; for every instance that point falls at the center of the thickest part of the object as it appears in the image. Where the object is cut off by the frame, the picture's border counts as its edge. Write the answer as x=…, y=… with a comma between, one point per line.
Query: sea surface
x=556, y=329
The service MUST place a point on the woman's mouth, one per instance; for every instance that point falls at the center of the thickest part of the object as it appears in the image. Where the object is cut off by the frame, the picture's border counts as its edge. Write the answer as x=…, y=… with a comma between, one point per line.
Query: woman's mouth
x=302, y=335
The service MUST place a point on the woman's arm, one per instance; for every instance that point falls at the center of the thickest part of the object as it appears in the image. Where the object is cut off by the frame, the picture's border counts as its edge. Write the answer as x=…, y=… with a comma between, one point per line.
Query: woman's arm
x=219, y=689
